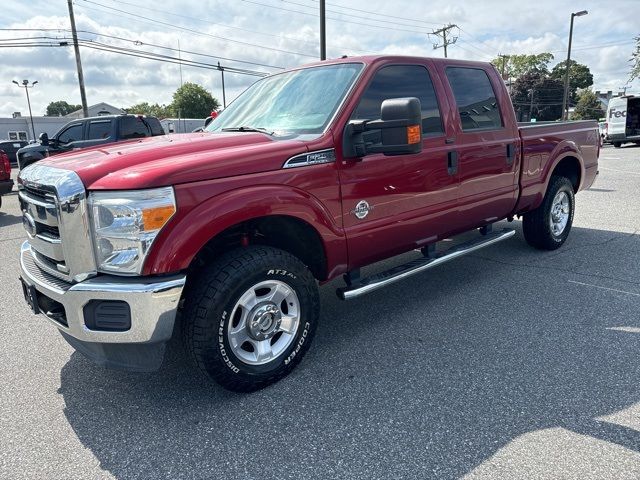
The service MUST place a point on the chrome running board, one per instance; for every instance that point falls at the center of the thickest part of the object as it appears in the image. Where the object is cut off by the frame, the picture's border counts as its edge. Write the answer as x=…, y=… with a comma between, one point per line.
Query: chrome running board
x=418, y=265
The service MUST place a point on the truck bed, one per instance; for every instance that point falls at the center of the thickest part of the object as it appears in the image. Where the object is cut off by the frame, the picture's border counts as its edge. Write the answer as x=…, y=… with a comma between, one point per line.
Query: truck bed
x=544, y=145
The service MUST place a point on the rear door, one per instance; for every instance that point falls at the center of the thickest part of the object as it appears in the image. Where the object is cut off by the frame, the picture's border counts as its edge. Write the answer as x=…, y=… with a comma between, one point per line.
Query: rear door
x=395, y=203
x=97, y=131
x=486, y=141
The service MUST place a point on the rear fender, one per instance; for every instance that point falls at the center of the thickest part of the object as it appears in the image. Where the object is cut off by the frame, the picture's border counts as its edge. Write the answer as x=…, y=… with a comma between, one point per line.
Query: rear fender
x=535, y=187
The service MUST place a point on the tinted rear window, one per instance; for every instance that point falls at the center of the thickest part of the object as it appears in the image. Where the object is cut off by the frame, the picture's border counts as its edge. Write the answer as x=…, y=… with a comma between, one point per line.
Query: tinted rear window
x=99, y=129
x=134, y=127
x=475, y=97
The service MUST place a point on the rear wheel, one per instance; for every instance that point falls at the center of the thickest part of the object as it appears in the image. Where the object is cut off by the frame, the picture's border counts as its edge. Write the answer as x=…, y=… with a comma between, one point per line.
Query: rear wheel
x=548, y=226
x=250, y=317
x=617, y=144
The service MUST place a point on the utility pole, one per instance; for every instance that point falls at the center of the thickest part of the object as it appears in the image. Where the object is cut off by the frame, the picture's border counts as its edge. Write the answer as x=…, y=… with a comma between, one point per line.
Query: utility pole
x=224, y=98
x=442, y=33
x=504, y=63
x=323, y=33
x=83, y=95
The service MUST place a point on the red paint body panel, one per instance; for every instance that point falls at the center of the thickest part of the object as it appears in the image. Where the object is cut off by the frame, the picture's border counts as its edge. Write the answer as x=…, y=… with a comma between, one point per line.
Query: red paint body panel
x=221, y=180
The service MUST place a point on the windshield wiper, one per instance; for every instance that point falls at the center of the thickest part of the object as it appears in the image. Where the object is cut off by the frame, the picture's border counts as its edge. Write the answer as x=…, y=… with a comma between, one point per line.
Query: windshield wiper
x=248, y=129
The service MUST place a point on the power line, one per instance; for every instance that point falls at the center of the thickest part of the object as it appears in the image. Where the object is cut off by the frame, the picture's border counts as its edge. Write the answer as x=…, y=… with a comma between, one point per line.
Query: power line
x=331, y=18
x=386, y=15
x=210, y=22
x=166, y=24
x=138, y=42
x=65, y=42
x=356, y=16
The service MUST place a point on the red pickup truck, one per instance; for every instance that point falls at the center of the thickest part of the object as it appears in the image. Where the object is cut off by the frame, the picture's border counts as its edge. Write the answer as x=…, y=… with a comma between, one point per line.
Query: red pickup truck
x=310, y=174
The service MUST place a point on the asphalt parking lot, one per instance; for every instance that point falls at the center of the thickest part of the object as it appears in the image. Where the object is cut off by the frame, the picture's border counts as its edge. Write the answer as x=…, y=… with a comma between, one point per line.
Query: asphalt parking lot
x=510, y=363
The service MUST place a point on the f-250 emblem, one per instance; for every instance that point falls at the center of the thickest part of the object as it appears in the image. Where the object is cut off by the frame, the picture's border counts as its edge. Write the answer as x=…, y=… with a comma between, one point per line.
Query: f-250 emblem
x=362, y=209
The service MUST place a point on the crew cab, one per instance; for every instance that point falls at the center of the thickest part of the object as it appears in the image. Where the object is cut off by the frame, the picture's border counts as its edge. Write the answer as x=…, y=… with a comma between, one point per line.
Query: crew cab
x=309, y=175
x=89, y=132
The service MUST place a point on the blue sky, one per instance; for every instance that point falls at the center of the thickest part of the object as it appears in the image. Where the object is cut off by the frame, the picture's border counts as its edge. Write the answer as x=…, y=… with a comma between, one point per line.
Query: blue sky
x=268, y=35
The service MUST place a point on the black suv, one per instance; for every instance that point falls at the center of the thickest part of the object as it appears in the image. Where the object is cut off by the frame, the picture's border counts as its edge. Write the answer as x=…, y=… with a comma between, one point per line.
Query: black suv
x=88, y=132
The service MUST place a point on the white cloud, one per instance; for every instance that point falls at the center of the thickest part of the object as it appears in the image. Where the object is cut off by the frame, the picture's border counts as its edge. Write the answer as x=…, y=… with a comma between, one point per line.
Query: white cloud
x=487, y=28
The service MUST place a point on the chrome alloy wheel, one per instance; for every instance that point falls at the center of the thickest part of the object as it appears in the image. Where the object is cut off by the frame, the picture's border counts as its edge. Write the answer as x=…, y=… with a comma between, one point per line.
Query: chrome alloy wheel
x=560, y=211
x=264, y=322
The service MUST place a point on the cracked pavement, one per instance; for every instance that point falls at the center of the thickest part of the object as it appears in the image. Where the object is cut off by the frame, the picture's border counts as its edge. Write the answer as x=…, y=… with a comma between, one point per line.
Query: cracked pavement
x=509, y=363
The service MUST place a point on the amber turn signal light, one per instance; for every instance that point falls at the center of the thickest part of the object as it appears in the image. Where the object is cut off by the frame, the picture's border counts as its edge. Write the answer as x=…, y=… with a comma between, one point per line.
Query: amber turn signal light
x=155, y=218
x=413, y=134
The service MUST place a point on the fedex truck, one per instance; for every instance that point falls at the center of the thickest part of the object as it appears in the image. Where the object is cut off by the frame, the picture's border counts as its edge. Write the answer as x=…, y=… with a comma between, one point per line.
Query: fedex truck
x=623, y=118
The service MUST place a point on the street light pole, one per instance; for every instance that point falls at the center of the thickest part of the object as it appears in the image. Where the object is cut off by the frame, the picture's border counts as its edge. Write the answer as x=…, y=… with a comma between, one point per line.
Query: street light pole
x=565, y=99
x=323, y=32
x=25, y=84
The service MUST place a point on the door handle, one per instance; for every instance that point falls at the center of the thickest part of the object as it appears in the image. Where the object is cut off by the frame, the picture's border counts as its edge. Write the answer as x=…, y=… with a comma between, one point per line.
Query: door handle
x=511, y=151
x=452, y=162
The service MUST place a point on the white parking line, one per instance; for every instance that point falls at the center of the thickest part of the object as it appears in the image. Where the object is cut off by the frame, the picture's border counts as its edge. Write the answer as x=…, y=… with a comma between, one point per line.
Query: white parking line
x=605, y=288
x=625, y=329
x=620, y=171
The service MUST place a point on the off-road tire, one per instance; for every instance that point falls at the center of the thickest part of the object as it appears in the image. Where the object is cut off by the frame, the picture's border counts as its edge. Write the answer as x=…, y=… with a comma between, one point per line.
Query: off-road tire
x=536, y=224
x=212, y=295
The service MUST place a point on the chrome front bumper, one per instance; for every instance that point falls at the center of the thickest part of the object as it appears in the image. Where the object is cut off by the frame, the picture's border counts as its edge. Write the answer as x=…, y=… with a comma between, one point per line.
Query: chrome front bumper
x=153, y=303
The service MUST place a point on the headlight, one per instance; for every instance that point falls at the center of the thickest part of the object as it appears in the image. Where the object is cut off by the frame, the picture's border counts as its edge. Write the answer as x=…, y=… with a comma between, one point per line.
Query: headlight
x=125, y=224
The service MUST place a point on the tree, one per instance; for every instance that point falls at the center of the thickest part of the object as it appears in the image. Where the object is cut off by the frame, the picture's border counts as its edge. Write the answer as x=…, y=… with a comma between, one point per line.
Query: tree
x=579, y=75
x=61, y=108
x=154, y=110
x=588, y=106
x=635, y=58
x=535, y=95
x=193, y=101
x=519, y=65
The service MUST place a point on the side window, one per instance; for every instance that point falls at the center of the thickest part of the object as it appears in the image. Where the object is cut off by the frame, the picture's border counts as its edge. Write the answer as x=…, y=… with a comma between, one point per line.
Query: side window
x=398, y=81
x=133, y=127
x=99, y=129
x=71, y=134
x=476, y=99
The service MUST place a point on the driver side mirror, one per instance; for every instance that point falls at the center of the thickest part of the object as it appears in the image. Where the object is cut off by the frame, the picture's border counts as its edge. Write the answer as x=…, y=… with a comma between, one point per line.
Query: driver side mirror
x=399, y=130
x=44, y=139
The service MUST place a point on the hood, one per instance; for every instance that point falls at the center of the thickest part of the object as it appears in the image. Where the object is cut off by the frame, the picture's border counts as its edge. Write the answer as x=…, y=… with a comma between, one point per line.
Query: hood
x=32, y=147
x=174, y=159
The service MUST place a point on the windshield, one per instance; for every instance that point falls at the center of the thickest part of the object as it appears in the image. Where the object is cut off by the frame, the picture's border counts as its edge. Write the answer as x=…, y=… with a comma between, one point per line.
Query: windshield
x=301, y=101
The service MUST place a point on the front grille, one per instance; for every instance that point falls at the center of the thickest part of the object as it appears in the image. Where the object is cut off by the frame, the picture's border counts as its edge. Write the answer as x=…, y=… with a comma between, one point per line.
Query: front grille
x=54, y=203
x=41, y=275
x=40, y=193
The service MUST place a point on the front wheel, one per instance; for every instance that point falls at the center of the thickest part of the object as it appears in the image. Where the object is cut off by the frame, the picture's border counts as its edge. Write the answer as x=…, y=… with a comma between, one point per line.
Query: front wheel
x=617, y=144
x=250, y=317
x=548, y=226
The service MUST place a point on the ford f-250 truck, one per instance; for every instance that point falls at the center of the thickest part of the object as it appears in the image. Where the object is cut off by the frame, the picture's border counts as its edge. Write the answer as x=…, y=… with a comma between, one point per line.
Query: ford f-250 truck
x=310, y=174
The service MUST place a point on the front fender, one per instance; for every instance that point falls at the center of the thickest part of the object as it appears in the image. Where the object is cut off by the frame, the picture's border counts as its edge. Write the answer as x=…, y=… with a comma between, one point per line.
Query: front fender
x=197, y=223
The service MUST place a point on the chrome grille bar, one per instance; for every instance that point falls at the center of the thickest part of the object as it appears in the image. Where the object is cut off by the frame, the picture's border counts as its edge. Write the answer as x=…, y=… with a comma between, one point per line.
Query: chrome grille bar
x=55, y=209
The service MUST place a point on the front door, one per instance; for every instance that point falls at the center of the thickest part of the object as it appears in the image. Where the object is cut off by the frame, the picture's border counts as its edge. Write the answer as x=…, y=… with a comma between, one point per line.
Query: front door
x=395, y=203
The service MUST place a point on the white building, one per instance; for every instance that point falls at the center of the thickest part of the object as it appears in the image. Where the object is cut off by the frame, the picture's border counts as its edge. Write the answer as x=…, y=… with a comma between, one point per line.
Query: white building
x=97, y=110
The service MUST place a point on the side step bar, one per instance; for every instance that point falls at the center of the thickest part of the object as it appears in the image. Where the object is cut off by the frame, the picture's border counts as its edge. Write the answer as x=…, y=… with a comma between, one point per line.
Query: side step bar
x=401, y=272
